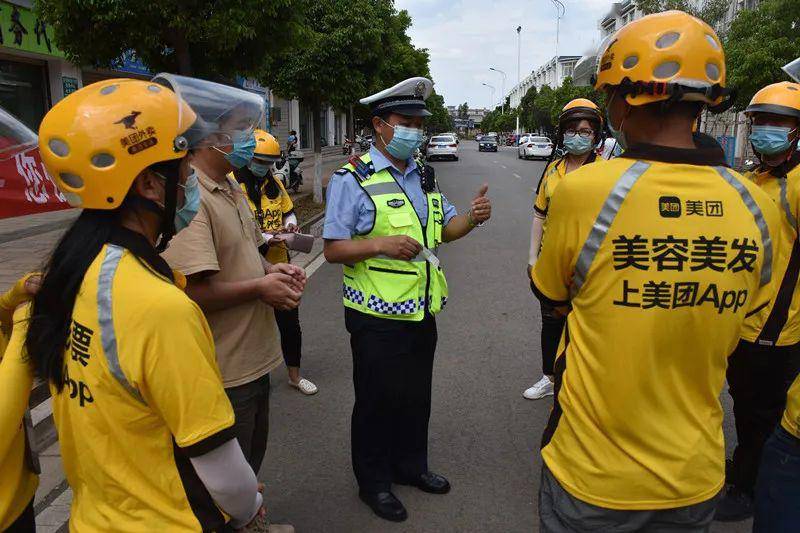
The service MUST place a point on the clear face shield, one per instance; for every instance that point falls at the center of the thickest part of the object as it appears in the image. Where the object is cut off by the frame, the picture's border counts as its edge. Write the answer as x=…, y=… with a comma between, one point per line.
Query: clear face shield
x=793, y=70
x=224, y=115
x=15, y=137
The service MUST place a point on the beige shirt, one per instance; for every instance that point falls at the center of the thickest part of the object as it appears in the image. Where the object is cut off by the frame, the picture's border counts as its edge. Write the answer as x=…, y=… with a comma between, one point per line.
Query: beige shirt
x=223, y=239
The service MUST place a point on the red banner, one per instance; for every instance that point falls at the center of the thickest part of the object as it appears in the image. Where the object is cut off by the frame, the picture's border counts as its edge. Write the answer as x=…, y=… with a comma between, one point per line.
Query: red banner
x=27, y=188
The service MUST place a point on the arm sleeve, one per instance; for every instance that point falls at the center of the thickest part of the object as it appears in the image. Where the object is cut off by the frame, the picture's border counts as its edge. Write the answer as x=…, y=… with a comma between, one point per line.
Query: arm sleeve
x=16, y=381
x=12, y=298
x=552, y=274
x=230, y=481
x=192, y=250
x=342, y=211
x=448, y=209
x=541, y=203
x=291, y=218
x=179, y=377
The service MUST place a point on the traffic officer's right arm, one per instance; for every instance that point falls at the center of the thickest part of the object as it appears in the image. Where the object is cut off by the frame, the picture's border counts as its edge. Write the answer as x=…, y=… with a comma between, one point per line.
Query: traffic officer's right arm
x=344, y=217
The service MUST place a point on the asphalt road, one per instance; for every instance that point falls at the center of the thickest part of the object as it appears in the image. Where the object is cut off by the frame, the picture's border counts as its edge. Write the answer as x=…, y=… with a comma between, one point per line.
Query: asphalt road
x=483, y=435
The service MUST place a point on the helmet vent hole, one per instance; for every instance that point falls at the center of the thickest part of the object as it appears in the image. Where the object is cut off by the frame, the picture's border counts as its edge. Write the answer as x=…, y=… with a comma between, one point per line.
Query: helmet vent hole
x=630, y=61
x=73, y=199
x=712, y=41
x=108, y=89
x=71, y=180
x=712, y=71
x=668, y=39
x=153, y=88
x=58, y=147
x=102, y=160
x=666, y=69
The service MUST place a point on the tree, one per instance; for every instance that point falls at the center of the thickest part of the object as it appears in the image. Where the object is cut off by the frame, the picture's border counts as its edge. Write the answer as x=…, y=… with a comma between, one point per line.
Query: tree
x=759, y=43
x=463, y=111
x=440, y=120
x=712, y=11
x=204, y=38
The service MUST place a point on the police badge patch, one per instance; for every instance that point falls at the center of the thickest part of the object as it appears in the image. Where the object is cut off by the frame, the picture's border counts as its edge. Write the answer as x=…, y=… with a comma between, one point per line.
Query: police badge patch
x=396, y=202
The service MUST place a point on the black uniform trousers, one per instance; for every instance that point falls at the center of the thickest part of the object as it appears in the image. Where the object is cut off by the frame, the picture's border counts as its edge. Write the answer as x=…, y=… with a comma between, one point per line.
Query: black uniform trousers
x=758, y=380
x=392, y=371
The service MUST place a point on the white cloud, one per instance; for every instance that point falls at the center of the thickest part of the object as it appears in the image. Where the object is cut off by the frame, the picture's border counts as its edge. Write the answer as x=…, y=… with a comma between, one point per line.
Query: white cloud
x=466, y=37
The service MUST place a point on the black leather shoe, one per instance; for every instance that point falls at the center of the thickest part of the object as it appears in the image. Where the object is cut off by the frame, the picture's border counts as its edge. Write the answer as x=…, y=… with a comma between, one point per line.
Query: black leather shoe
x=384, y=504
x=735, y=506
x=429, y=482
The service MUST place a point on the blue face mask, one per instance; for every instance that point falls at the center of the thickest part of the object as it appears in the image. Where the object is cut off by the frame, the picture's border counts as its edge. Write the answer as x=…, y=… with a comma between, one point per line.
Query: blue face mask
x=577, y=145
x=770, y=140
x=191, y=203
x=404, y=142
x=242, y=152
x=258, y=169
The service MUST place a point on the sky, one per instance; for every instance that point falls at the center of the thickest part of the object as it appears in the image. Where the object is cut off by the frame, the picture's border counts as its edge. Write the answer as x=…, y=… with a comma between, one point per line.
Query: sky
x=466, y=37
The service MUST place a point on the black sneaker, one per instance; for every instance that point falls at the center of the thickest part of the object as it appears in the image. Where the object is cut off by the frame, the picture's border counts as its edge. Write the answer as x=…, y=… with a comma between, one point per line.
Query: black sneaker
x=735, y=506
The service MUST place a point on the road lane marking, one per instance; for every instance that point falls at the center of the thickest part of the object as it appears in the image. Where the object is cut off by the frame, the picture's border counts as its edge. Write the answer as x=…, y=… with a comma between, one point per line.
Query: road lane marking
x=504, y=167
x=517, y=176
x=315, y=264
x=495, y=162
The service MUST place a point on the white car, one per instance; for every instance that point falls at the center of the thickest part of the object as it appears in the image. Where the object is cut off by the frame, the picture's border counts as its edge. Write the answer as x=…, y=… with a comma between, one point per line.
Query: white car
x=442, y=147
x=534, y=147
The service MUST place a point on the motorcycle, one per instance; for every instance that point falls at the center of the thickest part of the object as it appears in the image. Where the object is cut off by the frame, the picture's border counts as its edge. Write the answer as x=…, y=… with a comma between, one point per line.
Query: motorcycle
x=288, y=170
x=365, y=142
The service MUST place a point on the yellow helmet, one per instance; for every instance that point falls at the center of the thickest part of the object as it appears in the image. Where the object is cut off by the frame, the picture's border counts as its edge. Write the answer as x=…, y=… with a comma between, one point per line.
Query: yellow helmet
x=665, y=56
x=778, y=98
x=267, y=147
x=98, y=139
x=581, y=108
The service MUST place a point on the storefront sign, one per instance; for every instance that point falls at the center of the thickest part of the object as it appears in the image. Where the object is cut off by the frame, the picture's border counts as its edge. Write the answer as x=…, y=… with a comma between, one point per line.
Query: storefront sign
x=70, y=85
x=26, y=187
x=21, y=29
x=130, y=62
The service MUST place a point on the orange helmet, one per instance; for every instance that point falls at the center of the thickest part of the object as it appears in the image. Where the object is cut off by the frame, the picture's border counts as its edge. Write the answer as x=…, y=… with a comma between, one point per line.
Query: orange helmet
x=581, y=108
x=665, y=56
x=778, y=98
x=267, y=147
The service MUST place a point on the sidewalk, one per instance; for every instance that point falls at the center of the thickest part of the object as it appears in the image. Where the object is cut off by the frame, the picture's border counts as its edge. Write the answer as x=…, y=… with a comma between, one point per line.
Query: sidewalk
x=25, y=245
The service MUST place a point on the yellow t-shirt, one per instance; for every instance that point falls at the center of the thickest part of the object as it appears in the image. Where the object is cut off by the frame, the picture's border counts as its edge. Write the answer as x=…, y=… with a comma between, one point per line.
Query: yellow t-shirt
x=658, y=303
x=270, y=219
x=553, y=175
x=791, y=416
x=780, y=325
x=143, y=395
x=17, y=482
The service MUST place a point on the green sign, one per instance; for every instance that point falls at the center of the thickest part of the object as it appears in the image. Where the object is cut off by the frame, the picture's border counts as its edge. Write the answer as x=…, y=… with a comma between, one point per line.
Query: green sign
x=21, y=29
x=70, y=85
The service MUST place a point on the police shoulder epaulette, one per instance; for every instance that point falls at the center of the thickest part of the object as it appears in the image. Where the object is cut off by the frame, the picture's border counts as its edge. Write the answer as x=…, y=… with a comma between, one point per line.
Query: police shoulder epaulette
x=362, y=170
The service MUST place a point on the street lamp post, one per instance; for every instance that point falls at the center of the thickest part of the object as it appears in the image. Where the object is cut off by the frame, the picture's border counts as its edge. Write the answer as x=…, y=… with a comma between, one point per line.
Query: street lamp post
x=492, y=93
x=502, y=88
x=560, y=11
x=519, y=42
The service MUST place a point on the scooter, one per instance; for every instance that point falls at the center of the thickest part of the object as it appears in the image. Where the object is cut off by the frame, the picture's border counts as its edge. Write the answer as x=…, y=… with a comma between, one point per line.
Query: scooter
x=288, y=170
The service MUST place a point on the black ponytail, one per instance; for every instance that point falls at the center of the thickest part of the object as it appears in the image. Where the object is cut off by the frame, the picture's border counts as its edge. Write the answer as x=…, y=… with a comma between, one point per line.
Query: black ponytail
x=51, y=314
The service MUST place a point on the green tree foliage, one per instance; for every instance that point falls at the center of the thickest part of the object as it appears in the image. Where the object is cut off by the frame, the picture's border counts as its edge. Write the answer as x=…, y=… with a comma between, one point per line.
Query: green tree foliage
x=463, y=111
x=711, y=11
x=440, y=120
x=759, y=43
x=539, y=111
x=210, y=39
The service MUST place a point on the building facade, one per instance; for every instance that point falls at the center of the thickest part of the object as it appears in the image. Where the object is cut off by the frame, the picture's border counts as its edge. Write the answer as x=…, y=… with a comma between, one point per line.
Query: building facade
x=551, y=74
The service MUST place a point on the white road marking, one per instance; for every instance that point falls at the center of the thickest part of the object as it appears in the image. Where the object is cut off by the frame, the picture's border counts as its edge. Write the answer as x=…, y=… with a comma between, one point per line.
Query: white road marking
x=495, y=162
x=315, y=264
x=504, y=167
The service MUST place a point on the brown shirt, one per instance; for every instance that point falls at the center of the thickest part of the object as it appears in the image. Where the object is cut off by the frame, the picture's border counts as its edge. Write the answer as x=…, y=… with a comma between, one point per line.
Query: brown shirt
x=223, y=239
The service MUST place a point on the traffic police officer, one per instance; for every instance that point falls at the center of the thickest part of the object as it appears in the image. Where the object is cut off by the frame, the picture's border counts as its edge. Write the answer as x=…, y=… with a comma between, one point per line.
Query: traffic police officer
x=580, y=131
x=384, y=222
x=768, y=357
x=660, y=256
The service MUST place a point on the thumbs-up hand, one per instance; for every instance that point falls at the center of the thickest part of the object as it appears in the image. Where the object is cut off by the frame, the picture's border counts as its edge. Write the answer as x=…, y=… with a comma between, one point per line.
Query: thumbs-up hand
x=481, y=209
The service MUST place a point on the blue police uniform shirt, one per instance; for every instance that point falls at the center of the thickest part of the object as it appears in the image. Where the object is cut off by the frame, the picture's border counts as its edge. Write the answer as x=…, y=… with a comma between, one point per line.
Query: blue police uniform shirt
x=350, y=211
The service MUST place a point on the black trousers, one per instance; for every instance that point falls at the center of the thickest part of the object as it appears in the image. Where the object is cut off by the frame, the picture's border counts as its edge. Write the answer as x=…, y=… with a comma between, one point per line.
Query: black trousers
x=758, y=379
x=250, y=404
x=25, y=523
x=291, y=336
x=552, y=326
x=392, y=371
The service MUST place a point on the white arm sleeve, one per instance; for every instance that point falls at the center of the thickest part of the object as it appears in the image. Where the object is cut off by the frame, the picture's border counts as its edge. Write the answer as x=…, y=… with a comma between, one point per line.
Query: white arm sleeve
x=230, y=481
x=291, y=218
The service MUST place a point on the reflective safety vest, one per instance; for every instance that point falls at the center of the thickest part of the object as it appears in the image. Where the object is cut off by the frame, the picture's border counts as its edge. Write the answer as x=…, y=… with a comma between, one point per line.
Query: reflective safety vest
x=394, y=288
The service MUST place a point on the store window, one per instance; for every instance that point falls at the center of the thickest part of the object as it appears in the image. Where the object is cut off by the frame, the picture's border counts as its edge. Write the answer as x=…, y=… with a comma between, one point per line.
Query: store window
x=23, y=91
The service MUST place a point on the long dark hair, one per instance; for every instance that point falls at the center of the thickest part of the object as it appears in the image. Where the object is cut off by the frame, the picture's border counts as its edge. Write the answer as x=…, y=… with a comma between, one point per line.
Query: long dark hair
x=51, y=314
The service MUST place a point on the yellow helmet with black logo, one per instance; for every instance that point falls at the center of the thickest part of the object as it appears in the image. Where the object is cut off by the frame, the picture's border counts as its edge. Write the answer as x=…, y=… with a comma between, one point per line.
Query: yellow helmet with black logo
x=665, y=56
x=98, y=139
x=781, y=98
x=267, y=147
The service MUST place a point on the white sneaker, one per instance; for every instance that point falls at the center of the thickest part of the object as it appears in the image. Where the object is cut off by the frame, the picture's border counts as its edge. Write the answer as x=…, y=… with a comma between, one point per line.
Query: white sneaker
x=304, y=386
x=542, y=388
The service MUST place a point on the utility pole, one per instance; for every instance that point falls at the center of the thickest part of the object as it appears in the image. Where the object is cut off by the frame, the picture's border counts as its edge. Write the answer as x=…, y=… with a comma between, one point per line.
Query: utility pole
x=519, y=46
x=492, y=93
x=560, y=11
x=502, y=90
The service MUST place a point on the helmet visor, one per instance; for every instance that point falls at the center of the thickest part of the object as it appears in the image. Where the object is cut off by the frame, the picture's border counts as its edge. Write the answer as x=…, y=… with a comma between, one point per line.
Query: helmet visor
x=225, y=114
x=15, y=137
x=793, y=70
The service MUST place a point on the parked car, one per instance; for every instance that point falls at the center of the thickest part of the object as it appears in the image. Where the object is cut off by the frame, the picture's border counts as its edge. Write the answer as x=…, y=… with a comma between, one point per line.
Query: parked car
x=534, y=147
x=488, y=144
x=442, y=147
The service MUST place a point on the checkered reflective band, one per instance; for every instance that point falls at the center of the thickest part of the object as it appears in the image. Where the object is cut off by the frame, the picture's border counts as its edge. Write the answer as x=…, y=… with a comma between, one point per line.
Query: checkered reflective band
x=353, y=295
x=383, y=307
x=444, y=301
